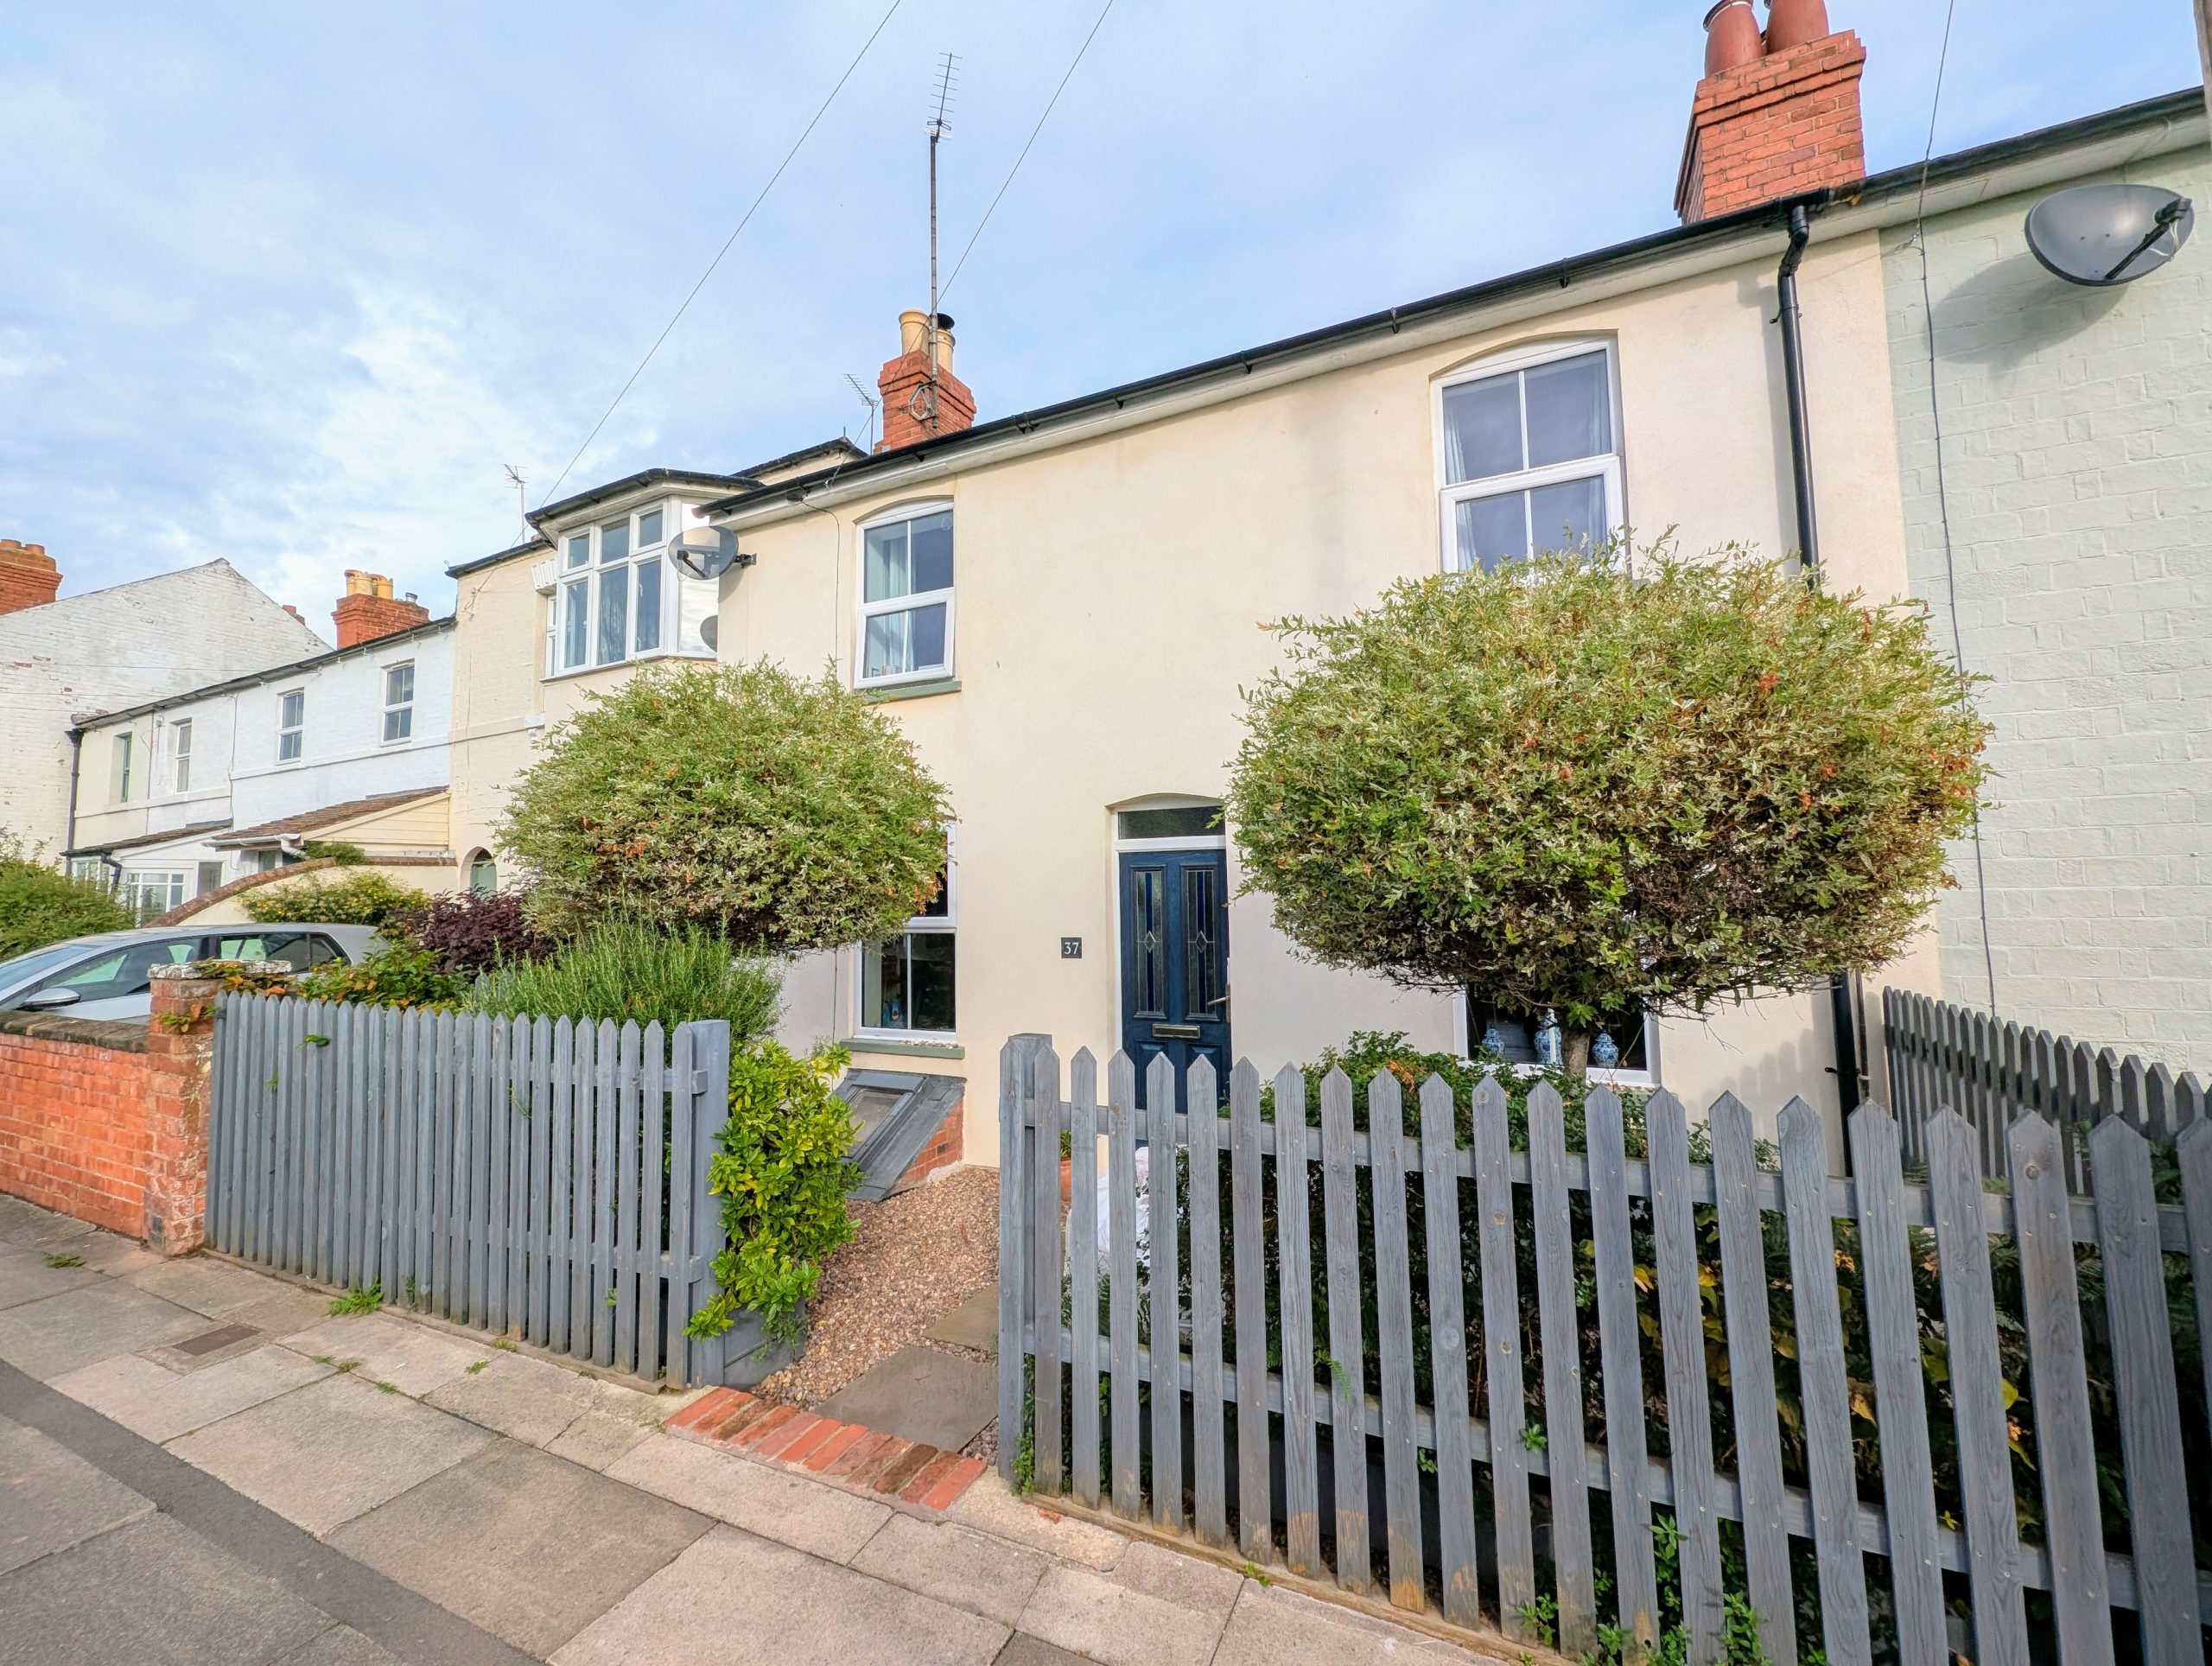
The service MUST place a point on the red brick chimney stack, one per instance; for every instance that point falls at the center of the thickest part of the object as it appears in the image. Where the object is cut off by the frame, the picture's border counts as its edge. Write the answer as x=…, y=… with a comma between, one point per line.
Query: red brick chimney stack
x=1776, y=114
x=916, y=406
x=29, y=577
x=368, y=610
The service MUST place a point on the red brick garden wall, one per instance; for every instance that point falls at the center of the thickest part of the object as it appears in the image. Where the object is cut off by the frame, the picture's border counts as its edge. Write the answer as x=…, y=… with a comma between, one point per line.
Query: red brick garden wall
x=74, y=1102
x=108, y=1122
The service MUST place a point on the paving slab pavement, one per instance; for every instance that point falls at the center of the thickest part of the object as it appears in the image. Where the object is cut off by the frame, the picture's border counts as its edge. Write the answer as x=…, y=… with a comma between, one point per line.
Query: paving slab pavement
x=921, y=1395
x=58, y=1335
x=26, y=1275
x=159, y=1402
x=54, y=1498
x=527, y=1547
x=323, y=1455
x=973, y=1324
x=807, y=1515
x=298, y=1513
x=954, y=1564
x=793, y=1608
x=413, y=1358
x=527, y=1400
x=206, y=1286
x=153, y=1590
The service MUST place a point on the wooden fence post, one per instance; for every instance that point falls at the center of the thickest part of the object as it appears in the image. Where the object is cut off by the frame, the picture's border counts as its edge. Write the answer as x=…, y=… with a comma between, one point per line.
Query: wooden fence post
x=1017, y=1063
x=702, y=1076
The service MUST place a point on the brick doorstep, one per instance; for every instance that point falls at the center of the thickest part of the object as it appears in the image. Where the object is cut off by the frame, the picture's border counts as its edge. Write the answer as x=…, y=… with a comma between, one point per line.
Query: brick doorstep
x=908, y=1476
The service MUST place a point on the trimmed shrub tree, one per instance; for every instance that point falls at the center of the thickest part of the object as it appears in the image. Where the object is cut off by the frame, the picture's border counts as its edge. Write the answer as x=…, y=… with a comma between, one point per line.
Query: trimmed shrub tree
x=40, y=903
x=359, y=898
x=782, y=813
x=1568, y=789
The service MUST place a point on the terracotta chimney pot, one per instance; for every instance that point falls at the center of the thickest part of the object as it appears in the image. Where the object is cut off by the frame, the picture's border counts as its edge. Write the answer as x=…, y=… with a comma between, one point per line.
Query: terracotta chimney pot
x=368, y=611
x=1793, y=23
x=1732, y=37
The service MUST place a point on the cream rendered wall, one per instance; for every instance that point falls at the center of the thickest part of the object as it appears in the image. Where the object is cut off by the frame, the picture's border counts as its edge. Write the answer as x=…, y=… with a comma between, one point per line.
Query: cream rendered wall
x=420, y=876
x=1109, y=601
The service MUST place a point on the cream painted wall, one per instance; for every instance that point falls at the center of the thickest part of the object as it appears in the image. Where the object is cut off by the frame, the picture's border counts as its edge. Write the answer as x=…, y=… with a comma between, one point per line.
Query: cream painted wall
x=1110, y=595
x=420, y=876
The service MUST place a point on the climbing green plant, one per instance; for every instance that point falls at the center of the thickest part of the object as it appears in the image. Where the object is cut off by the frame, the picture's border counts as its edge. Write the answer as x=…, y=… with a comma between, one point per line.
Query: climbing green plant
x=782, y=1167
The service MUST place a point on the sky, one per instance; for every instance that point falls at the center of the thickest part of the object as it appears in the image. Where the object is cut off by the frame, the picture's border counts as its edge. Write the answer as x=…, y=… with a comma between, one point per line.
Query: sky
x=293, y=284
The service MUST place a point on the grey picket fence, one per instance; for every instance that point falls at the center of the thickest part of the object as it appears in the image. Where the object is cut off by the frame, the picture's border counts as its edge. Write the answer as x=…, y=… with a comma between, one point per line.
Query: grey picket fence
x=531, y=1177
x=1993, y=1073
x=1526, y=1484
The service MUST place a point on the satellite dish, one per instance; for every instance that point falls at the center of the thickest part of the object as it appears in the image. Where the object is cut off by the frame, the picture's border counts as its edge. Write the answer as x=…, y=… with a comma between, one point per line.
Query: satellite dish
x=705, y=552
x=2112, y=233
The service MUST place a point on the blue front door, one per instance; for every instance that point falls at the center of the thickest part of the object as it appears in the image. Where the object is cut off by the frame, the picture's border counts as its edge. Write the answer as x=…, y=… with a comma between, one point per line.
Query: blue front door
x=1175, y=961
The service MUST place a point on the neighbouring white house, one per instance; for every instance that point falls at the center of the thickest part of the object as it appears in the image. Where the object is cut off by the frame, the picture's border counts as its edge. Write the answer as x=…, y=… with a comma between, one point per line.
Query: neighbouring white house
x=181, y=799
x=65, y=661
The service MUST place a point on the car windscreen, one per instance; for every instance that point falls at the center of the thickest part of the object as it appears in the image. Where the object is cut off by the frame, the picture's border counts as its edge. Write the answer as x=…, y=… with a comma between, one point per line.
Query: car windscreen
x=39, y=961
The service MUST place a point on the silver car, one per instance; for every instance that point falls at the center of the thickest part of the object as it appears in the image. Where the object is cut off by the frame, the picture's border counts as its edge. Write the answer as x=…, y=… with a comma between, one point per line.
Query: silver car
x=110, y=974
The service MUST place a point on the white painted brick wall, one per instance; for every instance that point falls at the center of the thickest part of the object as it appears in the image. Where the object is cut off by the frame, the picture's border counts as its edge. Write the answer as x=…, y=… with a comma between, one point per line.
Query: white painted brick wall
x=104, y=650
x=2077, y=455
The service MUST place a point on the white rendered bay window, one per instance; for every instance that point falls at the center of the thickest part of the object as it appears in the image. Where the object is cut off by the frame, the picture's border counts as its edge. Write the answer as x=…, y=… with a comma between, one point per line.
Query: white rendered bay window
x=905, y=606
x=612, y=592
x=1529, y=455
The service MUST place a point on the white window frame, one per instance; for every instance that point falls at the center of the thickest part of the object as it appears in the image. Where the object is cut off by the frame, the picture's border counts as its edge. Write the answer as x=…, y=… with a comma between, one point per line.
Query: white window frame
x=1607, y=466
x=864, y=610
x=295, y=733
x=181, y=755
x=398, y=708
x=589, y=574
x=944, y=925
x=140, y=888
x=123, y=752
x=1648, y=1077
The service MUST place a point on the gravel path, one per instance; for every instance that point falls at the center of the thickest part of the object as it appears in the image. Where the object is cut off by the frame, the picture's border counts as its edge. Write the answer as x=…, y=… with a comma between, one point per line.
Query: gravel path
x=912, y=1257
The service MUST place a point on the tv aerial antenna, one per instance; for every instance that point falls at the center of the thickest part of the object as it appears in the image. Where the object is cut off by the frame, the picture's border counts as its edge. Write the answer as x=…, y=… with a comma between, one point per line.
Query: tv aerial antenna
x=940, y=126
x=870, y=401
x=521, y=496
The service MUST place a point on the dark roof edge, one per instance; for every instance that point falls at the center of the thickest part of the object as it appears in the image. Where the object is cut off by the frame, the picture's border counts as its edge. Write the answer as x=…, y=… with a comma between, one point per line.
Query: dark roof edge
x=1555, y=274
x=743, y=477
x=477, y=563
x=643, y=477
x=246, y=680
x=1552, y=274
x=2166, y=108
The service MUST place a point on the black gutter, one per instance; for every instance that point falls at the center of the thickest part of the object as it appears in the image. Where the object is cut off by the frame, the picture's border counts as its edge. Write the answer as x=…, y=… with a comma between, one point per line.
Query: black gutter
x=76, y=765
x=1558, y=274
x=1392, y=320
x=1843, y=1006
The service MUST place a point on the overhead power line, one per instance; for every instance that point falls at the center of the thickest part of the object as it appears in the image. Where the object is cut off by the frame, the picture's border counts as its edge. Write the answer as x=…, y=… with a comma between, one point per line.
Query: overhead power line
x=1033, y=132
x=725, y=249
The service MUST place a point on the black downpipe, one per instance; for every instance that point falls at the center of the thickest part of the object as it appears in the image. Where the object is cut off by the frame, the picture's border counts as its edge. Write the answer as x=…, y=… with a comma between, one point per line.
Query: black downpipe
x=1842, y=990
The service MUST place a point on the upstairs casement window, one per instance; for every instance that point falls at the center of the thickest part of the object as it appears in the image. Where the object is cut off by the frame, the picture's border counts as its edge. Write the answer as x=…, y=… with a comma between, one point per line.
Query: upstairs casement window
x=1529, y=454
x=906, y=982
x=291, y=724
x=398, y=702
x=122, y=762
x=905, y=611
x=181, y=755
x=613, y=586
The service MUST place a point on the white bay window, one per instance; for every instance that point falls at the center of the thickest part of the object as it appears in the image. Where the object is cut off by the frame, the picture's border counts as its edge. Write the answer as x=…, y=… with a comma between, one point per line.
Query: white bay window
x=614, y=596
